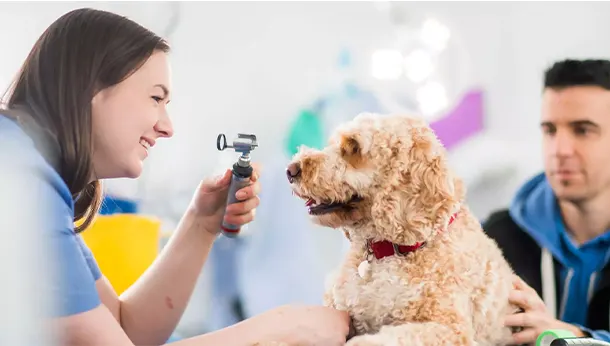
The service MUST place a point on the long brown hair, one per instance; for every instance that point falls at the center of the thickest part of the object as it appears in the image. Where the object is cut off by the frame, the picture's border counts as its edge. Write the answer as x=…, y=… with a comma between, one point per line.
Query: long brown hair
x=80, y=54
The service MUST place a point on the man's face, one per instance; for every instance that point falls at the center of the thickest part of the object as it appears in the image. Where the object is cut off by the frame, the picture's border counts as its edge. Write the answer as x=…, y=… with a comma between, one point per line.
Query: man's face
x=576, y=128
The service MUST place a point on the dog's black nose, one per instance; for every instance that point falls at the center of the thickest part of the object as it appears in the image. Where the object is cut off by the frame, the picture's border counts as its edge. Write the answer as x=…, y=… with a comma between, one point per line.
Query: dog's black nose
x=293, y=171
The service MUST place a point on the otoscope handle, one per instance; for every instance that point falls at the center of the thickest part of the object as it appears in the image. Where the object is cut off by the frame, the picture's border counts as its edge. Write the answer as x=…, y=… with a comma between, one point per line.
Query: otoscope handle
x=579, y=341
x=239, y=179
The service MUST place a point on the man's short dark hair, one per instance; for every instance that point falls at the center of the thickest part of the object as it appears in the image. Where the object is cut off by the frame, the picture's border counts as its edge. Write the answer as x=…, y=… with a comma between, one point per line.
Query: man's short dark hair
x=569, y=73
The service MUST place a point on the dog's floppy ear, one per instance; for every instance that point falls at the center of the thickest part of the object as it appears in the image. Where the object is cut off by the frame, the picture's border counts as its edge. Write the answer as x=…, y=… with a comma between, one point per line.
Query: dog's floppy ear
x=420, y=196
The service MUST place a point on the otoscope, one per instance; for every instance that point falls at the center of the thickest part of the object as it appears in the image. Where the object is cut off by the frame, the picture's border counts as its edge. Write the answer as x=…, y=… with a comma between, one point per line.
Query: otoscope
x=242, y=171
x=560, y=337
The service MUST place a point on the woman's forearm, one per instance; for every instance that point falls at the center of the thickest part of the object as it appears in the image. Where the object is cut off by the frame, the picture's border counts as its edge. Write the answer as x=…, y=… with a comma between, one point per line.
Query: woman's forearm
x=245, y=333
x=152, y=307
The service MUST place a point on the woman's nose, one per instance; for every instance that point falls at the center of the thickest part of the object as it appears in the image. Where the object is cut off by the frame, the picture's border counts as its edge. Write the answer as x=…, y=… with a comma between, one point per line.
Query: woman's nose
x=164, y=127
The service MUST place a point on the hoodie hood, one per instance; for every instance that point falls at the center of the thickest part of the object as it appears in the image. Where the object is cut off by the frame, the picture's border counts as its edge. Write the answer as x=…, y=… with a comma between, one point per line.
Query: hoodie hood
x=535, y=210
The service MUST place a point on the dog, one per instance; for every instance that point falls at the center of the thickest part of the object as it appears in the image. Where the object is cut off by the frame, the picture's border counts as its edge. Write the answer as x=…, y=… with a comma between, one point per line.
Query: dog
x=420, y=270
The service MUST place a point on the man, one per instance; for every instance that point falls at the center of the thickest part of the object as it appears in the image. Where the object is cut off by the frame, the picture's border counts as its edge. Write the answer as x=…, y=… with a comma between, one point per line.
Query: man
x=555, y=233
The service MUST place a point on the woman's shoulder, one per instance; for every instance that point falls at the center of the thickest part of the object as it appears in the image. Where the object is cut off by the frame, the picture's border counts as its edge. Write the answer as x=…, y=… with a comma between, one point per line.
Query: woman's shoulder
x=44, y=206
x=19, y=154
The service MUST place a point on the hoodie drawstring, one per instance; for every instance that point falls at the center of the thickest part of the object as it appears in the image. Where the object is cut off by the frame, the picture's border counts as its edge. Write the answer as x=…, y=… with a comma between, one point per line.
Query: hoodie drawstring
x=591, y=290
x=547, y=270
x=564, y=296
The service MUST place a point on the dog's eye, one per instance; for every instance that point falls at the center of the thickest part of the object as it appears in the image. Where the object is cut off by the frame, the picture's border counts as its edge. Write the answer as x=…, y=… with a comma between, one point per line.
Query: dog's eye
x=349, y=146
x=351, y=151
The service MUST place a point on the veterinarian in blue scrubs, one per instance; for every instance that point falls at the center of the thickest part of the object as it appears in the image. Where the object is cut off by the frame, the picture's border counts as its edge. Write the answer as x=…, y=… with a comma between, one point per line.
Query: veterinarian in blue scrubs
x=556, y=231
x=89, y=103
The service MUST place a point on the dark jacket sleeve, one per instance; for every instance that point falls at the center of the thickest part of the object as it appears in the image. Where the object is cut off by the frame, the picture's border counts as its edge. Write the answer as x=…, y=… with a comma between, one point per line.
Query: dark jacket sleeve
x=519, y=249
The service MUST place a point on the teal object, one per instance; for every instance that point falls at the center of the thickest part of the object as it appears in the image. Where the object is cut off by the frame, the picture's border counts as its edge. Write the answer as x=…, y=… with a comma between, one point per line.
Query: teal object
x=305, y=130
x=548, y=336
x=343, y=100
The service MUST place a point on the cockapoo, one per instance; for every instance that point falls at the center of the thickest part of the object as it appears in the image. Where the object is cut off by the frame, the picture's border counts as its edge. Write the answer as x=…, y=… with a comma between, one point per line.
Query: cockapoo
x=420, y=269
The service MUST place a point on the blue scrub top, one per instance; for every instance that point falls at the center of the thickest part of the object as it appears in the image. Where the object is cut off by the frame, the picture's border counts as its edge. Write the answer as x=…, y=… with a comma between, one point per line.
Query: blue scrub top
x=72, y=285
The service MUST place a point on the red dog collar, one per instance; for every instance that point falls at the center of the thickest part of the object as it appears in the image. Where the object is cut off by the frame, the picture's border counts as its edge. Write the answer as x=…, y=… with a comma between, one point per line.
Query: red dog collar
x=386, y=248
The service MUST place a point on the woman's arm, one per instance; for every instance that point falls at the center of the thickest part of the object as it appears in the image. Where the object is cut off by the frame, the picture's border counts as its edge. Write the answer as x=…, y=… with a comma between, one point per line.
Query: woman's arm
x=295, y=325
x=99, y=327
x=152, y=307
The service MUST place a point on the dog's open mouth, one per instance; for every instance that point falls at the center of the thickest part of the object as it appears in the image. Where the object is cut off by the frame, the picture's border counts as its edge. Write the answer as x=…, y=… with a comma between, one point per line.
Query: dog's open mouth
x=321, y=208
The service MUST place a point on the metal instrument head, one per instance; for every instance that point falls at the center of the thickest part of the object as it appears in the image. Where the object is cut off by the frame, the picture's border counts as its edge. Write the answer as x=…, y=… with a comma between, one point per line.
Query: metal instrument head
x=244, y=143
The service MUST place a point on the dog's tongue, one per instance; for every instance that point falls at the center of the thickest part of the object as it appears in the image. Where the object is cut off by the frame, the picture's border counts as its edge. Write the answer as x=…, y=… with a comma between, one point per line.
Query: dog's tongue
x=310, y=202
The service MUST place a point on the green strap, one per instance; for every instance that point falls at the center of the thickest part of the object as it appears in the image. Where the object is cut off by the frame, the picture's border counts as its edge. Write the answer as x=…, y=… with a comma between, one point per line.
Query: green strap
x=546, y=337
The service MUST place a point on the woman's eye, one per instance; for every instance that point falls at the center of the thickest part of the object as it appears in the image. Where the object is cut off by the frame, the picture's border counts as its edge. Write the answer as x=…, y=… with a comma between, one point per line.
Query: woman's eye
x=157, y=99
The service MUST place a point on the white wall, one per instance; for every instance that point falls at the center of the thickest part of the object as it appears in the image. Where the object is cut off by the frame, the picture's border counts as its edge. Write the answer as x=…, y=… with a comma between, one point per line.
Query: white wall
x=249, y=66
x=246, y=66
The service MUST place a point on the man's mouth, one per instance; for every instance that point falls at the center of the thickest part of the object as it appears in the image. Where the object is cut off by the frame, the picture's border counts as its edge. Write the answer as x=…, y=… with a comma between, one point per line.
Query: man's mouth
x=320, y=207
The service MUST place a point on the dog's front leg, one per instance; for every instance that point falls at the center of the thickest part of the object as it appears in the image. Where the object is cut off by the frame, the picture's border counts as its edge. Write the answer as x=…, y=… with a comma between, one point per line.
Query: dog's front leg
x=329, y=299
x=416, y=334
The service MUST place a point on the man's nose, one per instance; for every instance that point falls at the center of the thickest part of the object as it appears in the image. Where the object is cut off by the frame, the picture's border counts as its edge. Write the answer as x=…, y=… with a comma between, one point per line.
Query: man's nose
x=563, y=145
x=293, y=171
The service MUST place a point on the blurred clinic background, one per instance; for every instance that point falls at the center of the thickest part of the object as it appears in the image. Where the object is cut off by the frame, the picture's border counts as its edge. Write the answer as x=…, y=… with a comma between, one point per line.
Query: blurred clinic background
x=289, y=72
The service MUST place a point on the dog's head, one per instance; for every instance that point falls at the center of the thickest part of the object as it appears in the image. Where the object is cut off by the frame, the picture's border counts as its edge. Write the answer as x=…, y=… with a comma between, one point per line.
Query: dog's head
x=385, y=173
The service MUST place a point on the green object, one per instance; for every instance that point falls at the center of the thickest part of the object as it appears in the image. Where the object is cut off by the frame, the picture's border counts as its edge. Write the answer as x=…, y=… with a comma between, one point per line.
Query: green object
x=306, y=130
x=546, y=337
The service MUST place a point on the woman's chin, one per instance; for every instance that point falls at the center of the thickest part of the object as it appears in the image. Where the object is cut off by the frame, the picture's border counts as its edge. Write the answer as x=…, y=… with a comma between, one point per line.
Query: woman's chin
x=134, y=170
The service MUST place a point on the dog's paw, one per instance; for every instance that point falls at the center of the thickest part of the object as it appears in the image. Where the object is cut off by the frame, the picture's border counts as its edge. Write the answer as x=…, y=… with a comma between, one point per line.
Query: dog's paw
x=367, y=340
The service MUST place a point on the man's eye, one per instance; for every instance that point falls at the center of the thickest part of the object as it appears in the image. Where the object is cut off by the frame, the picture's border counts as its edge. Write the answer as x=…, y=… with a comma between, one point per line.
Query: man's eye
x=548, y=130
x=581, y=130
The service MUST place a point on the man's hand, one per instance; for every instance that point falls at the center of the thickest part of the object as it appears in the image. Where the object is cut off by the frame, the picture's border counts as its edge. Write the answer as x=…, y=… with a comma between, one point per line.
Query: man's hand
x=534, y=319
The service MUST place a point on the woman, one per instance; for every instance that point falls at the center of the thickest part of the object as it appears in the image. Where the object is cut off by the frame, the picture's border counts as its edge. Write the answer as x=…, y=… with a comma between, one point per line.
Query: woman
x=88, y=104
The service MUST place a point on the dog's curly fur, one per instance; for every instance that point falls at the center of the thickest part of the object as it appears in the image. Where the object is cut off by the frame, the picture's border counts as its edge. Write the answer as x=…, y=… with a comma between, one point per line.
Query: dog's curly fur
x=453, y=291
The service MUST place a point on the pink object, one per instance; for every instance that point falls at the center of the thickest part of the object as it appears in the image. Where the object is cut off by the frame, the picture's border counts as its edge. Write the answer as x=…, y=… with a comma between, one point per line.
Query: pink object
x=464, y=121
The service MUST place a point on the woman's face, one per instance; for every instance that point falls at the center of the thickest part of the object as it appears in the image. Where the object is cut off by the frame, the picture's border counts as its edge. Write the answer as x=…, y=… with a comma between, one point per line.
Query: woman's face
x=129, y=117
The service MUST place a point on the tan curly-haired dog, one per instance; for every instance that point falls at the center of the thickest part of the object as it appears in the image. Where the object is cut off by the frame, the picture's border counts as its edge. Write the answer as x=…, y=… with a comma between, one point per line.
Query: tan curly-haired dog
x=420, y=270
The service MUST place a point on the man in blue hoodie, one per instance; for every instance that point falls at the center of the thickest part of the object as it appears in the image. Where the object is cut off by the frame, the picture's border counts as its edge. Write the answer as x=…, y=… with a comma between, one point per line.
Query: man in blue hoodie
x=556, y=233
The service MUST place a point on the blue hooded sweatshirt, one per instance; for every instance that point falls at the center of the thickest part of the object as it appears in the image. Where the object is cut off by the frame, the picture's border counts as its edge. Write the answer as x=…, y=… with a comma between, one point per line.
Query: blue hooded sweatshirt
x=536, y=211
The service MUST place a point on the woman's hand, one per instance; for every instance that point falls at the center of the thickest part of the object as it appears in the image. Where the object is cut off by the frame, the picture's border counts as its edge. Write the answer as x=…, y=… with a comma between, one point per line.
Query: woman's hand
x=300, y=325
x=534, y=319
x=210, y=199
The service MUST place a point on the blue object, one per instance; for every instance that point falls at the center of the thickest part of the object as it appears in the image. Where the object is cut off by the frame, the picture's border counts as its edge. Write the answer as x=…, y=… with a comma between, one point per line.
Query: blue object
x=345, y=58
x=117, y=205
x=72, y=285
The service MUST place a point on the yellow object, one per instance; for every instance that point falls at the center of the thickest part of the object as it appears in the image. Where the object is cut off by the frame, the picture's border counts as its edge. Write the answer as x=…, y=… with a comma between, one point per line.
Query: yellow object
x=124, y=246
